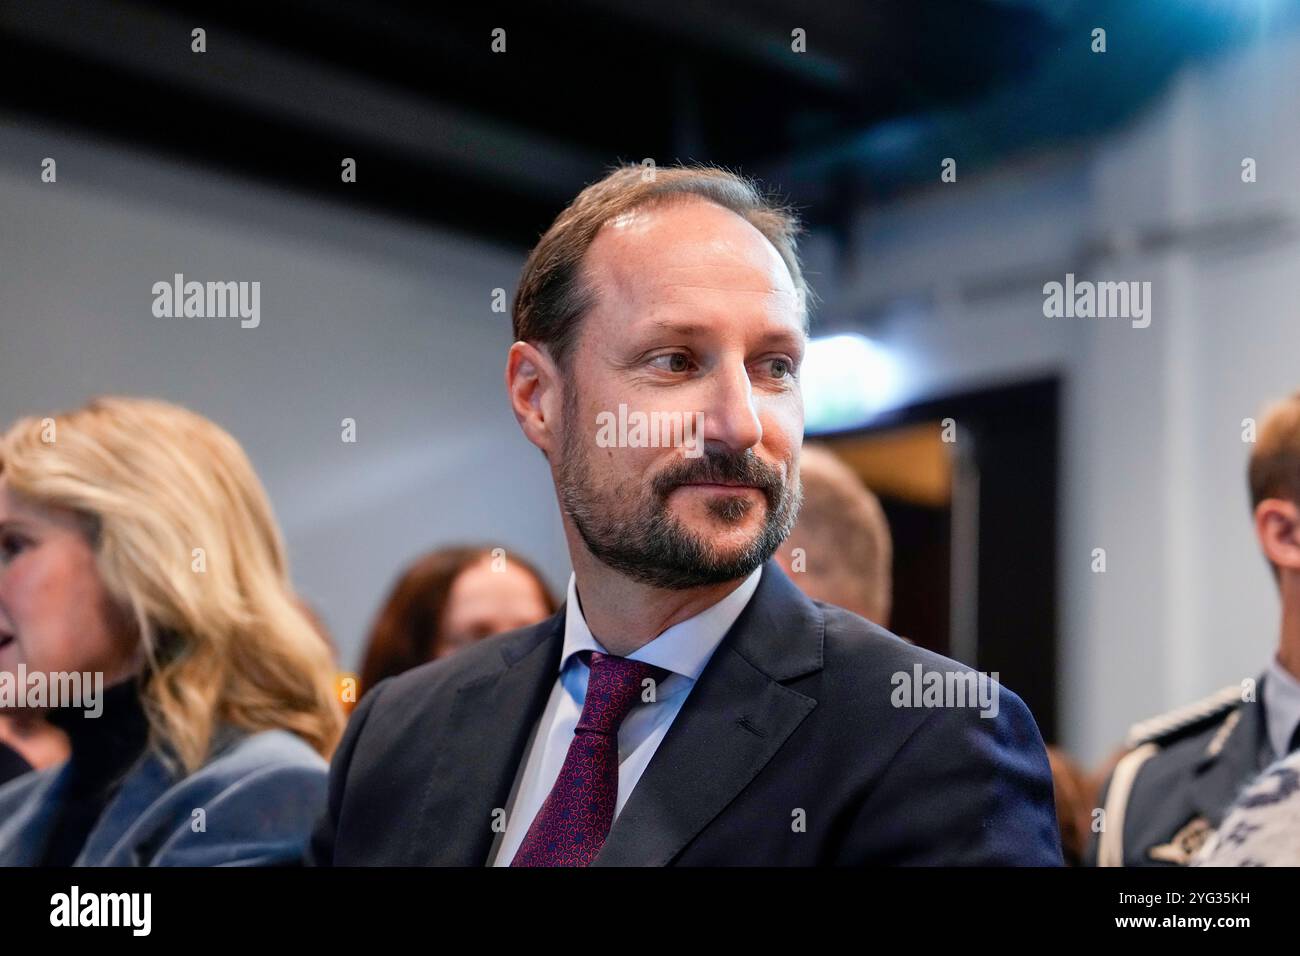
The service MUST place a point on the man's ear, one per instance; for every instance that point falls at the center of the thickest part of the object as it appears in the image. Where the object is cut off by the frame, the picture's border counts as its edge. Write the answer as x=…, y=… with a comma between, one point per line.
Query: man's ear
x=534, y=386
x=1277, y=525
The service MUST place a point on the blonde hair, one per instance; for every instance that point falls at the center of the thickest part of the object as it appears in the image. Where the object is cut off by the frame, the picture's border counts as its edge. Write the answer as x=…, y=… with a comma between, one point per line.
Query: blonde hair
x=156, y=483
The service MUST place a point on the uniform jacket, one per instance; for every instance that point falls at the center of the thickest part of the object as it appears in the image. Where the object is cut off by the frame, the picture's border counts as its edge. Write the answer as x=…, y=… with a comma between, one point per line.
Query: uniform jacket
x=1168, y=795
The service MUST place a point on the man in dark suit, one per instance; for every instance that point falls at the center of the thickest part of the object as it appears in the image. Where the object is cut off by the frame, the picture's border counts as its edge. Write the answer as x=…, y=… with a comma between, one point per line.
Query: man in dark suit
x=688, y=705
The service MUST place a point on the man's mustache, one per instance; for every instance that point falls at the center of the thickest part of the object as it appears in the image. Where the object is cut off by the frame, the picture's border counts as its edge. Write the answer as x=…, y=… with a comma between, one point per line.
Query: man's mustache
x=721, y=468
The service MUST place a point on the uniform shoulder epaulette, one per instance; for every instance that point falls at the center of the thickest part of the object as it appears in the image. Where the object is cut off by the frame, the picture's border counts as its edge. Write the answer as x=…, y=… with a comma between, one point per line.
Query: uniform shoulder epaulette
x=1184, y=720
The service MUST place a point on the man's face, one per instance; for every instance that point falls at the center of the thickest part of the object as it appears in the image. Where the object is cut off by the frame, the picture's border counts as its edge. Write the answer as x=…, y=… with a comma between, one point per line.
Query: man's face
x=696, y=323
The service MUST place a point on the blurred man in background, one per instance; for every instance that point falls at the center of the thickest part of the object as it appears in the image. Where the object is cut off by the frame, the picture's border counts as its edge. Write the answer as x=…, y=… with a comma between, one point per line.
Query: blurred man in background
x=1168, y=795
x=840, y=551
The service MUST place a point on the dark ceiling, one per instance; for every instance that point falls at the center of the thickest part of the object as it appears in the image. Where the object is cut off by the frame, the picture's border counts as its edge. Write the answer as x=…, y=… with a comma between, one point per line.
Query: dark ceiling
x=446, y=131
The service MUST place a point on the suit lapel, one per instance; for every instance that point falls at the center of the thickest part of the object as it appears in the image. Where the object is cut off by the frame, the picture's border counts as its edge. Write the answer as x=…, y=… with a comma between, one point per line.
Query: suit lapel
x=484, y=742
x=736, y=718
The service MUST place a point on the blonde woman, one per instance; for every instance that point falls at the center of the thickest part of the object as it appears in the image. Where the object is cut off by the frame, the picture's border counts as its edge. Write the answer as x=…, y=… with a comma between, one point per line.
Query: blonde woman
x=137, y=545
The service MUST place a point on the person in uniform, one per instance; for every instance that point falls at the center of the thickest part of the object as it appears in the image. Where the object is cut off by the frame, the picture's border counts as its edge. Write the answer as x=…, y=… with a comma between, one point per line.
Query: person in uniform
x=1168, y=794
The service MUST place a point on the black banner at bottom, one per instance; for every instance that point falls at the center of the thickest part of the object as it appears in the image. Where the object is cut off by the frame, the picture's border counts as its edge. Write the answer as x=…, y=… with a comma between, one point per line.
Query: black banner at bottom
x=354, y=907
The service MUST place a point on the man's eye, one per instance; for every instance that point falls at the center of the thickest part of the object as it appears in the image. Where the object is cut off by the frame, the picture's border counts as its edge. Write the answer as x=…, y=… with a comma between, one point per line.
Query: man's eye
x=781, y=368
x=672, y=362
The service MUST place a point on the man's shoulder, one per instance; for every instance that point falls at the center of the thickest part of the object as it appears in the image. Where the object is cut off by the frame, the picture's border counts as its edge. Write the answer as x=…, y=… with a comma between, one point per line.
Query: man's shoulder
x=871, y=677
x=1168, y=747
x=952, y=759
x=857, y=649
x=478, y=661
x=855, y=642
x=1189, y=721
x=1156, y=780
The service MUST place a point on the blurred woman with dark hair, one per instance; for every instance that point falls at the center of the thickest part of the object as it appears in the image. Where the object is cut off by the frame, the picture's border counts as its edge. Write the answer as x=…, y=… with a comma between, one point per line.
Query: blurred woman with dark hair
x=447, y=600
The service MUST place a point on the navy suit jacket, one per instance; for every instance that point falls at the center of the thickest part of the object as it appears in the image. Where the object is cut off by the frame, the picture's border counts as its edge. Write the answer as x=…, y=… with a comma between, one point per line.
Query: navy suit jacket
x=787, y=752
x=259, y=793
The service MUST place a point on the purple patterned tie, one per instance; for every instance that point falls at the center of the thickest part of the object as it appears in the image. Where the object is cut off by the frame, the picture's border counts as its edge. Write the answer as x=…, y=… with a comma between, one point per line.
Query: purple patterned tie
x=572, y=824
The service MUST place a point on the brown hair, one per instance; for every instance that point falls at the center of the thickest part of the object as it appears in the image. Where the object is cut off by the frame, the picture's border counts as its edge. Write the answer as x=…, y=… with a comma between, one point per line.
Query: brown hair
x=406, y=633
x=552, y=295
x=1275, y=461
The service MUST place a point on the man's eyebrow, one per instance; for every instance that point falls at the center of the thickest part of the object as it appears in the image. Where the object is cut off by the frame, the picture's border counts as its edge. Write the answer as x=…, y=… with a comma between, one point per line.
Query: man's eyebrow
x=792, y=336
x=682, y=327
x=688, y=329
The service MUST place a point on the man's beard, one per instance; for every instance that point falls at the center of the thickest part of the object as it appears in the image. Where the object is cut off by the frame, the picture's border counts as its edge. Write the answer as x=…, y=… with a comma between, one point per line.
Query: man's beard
x=652, y=547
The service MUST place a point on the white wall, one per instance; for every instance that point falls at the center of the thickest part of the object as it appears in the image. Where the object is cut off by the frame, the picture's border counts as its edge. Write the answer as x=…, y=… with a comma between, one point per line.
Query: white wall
x=362, y=317
x=1154, y=464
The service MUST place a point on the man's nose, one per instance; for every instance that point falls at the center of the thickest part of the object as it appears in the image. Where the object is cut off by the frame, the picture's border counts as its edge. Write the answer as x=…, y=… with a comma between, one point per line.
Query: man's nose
x=730, y=417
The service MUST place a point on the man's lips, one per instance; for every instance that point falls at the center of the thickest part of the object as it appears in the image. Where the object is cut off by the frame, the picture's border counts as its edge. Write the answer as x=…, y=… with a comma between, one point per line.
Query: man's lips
x=731, y=485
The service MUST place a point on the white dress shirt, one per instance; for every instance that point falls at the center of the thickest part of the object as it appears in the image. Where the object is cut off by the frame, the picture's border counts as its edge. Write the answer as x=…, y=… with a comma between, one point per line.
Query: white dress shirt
x=1281, y=706
x=682, y=650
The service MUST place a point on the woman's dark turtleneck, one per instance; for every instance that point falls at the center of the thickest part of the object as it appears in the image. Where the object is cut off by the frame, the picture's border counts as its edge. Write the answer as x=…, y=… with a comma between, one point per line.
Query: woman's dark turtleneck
x=104, y=748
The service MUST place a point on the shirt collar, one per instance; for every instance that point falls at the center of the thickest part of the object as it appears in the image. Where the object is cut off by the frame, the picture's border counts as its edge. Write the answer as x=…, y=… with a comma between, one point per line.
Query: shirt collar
x=682, y=649
x=1281, y=706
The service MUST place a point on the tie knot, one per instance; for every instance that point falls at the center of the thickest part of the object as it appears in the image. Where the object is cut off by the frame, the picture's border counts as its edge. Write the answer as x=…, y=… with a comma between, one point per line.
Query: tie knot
x=615, y=684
